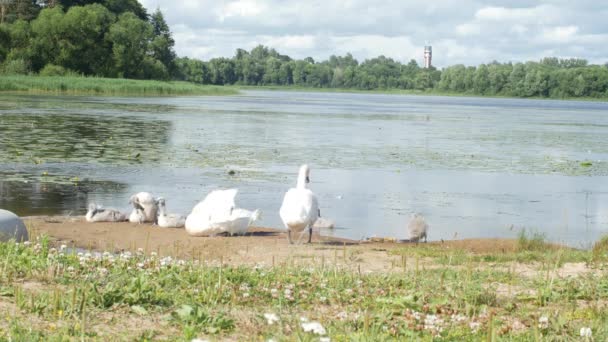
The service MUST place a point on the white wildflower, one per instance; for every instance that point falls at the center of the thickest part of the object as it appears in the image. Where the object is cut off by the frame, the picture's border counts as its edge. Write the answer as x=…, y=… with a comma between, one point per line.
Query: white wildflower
x=342, y=315
x=474, y=326
x=246, y=295
x=198, y=340
x=325, y=339
x=27, y=243
x=586, y=332
x=458, y=318
x=271, y=318
x=313, y=327
x=140, y=251
x=63, y=247
x=140, y=265
x=543, y=322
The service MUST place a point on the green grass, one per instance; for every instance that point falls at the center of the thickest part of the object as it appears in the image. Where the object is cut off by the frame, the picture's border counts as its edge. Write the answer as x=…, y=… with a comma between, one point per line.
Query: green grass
x=74, y=85
x=57, y=295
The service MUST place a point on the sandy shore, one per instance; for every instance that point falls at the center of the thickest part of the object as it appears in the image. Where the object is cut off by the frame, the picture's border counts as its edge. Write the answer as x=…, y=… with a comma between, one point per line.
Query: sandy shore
x=262, y=246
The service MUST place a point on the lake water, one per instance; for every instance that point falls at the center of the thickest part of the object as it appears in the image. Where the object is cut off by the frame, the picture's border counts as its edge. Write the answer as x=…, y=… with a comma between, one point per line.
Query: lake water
x=475, y=167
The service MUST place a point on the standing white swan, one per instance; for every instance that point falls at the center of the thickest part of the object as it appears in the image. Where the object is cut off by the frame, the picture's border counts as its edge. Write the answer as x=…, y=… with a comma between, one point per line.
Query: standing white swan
x=300, y=208
x=168, y=220
x=145, y=208
x=208, y=215
x=98, y=214
x=417, y=228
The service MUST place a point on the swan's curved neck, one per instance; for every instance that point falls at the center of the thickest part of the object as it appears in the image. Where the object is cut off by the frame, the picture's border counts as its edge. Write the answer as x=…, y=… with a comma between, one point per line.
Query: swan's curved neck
x=301, y=179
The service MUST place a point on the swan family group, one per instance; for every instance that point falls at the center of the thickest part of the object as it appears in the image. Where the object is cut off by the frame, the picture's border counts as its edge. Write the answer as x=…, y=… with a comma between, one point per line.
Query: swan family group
x=218, y=214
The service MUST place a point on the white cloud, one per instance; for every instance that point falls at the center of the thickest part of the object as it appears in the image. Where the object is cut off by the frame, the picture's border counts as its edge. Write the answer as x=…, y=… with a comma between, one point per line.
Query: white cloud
x=560, y=34
x=240, y=8
x=468, y=31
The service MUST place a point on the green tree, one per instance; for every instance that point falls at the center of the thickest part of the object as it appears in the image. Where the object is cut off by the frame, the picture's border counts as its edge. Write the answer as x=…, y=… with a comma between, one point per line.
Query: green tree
x=129, y=37
x=162, y=43
x=83, y=47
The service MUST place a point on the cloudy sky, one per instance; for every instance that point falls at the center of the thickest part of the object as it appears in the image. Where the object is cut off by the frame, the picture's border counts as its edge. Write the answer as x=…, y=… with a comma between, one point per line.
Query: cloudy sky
x=465, y=31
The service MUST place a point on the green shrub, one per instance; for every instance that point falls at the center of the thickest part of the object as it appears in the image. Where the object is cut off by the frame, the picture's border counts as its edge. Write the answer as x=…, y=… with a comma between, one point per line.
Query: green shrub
x=53, y=70
x=16, y=67
x=600, y=248
x=535, y=242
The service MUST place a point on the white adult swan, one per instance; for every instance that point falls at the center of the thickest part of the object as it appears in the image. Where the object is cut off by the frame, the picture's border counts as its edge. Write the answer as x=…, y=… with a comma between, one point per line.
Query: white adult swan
x=145, y=208
x=240, y=220
x=168, y=220
x=98, y=214
x=216, y=208
x=300, y=208
x=417, y=228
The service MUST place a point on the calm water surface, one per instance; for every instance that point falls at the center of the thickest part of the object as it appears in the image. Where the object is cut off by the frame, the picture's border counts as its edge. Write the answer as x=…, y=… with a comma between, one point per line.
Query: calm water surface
x=475, y=167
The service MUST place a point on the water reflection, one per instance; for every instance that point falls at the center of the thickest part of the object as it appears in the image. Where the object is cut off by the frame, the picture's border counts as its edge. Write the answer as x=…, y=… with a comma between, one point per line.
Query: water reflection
x=39, y=138
x=30, y=196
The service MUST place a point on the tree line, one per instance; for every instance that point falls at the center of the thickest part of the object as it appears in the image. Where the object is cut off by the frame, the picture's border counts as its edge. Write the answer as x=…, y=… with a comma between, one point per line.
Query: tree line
x=109, y=38
x=550, y=77
x=118, y=38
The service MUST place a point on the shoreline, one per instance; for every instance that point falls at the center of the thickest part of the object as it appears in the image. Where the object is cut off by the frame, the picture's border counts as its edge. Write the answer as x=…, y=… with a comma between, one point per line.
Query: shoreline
x=263, y=245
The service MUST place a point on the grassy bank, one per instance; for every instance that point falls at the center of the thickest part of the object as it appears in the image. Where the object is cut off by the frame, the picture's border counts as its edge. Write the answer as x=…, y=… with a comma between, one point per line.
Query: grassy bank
x=430, y=92
x=533, y=292
x=104, y=86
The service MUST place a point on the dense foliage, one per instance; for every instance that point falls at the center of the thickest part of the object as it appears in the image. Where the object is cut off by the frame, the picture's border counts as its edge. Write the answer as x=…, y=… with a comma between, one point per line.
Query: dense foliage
x=551, y=77
x=111, y=38
x=117, y=38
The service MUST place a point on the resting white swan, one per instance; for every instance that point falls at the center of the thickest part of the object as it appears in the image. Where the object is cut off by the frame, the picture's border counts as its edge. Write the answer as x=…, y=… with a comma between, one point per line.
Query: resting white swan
x=98, y=214
x=168, y=220
x=240, y=220
x=145, y=208
x=417, y=228
x=300, y=208
x=206, y=217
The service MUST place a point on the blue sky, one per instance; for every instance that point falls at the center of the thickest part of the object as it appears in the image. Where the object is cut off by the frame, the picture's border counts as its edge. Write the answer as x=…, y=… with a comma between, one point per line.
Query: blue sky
x=467, y=32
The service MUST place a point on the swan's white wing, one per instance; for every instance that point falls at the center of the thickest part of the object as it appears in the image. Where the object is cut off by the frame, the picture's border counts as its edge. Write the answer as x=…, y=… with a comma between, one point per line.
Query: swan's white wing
x=217, y=202
x=145, y=198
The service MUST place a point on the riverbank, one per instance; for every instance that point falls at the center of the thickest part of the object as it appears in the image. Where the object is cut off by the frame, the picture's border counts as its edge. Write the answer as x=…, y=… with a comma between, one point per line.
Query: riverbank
x=74, y=85
x=258, y=287
x=430, y=92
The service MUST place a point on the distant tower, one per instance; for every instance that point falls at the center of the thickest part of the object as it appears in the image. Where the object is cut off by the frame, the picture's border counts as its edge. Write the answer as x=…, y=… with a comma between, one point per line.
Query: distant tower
x=428, y=55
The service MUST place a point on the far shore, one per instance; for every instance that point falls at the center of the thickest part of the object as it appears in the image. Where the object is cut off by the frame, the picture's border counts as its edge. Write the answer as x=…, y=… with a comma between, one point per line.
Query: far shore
x=99, y=86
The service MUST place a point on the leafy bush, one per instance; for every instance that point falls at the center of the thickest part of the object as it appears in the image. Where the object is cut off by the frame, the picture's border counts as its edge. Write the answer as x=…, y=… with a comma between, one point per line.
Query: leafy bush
x=16, y=67
x=53, y=70
x=534, y=242
x=600, y=248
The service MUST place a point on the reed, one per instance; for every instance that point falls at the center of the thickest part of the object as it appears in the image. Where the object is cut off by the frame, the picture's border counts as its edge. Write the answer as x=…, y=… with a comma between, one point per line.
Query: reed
x=80, y=85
